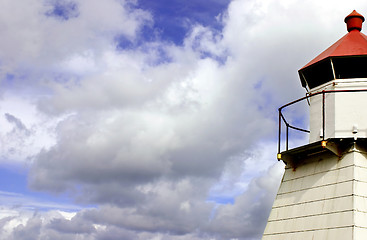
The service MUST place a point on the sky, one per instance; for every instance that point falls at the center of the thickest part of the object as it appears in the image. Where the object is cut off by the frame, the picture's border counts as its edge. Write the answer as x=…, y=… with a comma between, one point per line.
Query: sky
x=138, y=119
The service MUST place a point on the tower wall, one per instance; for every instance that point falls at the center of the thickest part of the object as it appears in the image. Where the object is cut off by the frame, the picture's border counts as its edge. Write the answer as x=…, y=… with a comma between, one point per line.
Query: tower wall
x=324, y=198
x=343, y=111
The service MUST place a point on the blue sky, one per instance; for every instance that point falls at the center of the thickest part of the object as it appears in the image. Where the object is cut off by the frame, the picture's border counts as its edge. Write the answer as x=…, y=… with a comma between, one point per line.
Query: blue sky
x=149, y=119
x=172, y=19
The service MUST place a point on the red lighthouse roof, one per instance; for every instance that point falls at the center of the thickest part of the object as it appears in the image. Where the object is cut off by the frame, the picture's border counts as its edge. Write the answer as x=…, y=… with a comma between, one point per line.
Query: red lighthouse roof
x=353, y=44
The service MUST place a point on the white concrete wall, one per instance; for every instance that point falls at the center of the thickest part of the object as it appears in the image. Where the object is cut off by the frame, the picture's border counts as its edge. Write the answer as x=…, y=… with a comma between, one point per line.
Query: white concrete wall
x=342, y=110
x=316, y=115
x=326, y=198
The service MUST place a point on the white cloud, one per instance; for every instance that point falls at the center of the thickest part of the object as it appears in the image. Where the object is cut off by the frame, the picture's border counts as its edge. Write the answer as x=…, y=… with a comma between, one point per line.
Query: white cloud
x=25, y=131
x=33, y=41
x=148, y=134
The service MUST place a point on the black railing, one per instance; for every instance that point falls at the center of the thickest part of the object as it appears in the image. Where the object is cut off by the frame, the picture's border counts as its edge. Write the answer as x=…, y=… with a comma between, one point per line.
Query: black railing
x=307, y=97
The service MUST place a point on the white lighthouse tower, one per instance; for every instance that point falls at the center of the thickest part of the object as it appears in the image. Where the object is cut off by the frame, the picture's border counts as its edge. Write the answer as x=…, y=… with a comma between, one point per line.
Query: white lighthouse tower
x=323, y=193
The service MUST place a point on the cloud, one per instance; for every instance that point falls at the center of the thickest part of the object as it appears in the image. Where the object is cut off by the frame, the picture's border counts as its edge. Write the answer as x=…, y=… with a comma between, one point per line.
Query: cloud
x=19, y=126
x=72, y=226
x=244, y=219
x=154, y=135
x=25, y=131
x=36, y=41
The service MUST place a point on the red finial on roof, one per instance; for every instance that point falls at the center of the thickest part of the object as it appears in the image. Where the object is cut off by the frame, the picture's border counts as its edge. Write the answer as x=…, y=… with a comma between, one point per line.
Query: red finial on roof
x=354, y=21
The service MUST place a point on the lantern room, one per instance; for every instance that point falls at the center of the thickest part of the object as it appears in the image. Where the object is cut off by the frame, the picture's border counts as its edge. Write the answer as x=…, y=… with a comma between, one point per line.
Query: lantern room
x=345, y=59
x=336, y=85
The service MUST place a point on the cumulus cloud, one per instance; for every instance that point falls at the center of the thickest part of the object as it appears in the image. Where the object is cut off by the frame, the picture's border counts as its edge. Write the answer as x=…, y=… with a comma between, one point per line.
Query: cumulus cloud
x=165, y=141
x=24, y=130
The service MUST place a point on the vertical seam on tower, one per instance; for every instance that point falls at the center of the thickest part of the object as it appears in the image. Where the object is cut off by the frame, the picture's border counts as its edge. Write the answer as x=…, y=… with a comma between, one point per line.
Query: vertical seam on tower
x=353, y=196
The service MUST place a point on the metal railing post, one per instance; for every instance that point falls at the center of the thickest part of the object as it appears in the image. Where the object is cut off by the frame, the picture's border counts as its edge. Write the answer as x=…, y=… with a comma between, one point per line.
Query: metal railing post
x=323, y=115
x=286, y=144
x=280, y=131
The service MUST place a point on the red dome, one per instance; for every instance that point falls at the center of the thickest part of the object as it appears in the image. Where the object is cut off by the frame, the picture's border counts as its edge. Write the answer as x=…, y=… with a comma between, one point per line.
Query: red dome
x=354, y=43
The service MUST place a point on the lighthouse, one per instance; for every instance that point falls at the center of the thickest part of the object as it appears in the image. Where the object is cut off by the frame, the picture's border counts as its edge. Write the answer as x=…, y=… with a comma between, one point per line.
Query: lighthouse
x=323, y=193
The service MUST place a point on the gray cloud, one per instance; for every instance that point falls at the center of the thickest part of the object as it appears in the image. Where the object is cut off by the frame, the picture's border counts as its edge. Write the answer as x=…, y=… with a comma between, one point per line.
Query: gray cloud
x=19, y=126
x=72, y=226
x=173, y=211
x=144, y=138
x=31, y=230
